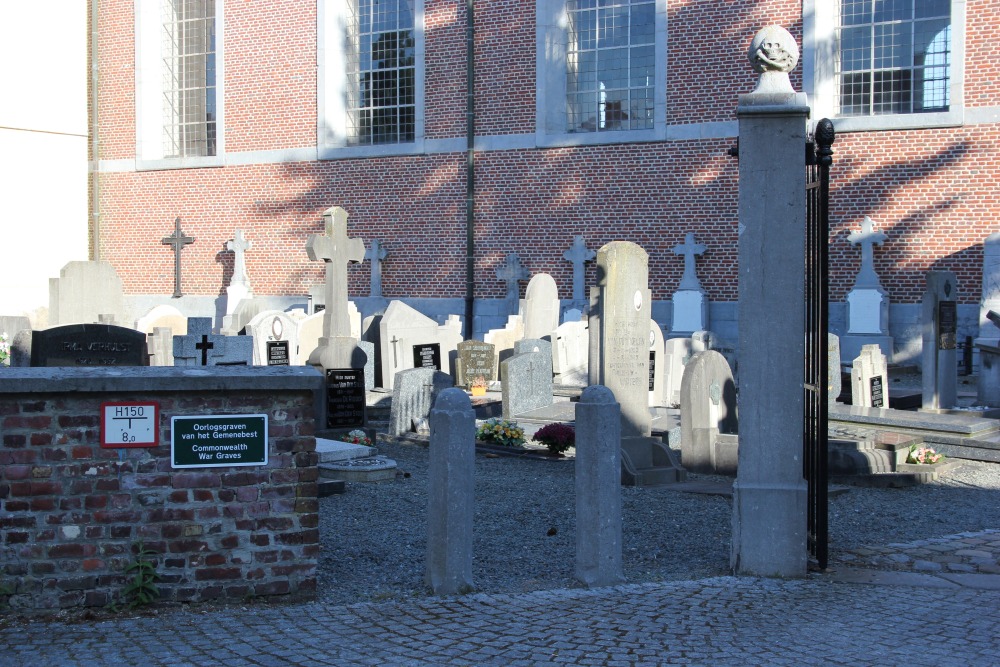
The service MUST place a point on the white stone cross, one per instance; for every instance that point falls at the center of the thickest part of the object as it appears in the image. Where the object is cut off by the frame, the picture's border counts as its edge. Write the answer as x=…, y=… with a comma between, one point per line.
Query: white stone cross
x=689, y=249
x=238, y=246
x=335, y=249
x=376, y=253
x=866, y=238
x=511, y=273
x=578, y=255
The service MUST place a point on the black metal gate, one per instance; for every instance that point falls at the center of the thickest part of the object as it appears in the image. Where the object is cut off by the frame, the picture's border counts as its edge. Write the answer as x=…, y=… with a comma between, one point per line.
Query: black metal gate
x=819, y=156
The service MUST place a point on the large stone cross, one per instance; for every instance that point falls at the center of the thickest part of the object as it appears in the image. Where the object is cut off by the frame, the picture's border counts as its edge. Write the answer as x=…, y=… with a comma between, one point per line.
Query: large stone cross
x=578, y=255
x=178, y=240
x=376, y=253
x=335, y=249
x=689, y=249
x=512, y=272
x=238, y=246
x=866, y=238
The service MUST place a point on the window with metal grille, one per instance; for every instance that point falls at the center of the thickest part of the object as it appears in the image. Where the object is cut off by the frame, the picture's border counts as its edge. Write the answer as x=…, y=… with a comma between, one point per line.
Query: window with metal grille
x=189, y=87
x=894, y=57
x=610, y=65
x=382, y=70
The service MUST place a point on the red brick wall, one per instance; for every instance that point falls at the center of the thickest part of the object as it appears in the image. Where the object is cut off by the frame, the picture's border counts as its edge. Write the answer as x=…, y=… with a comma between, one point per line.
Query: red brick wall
x=70, y=512
x=930, y=189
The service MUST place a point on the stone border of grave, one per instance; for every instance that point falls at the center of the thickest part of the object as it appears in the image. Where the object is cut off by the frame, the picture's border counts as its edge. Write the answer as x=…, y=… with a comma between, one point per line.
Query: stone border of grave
x=532, y=452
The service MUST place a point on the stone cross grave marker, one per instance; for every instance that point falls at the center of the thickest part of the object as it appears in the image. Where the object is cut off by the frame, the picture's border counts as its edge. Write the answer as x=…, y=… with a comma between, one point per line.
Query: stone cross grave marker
x=511, y=273
x=238, y=246
x=178, y=240
x=578, y=255
x=200, y=347
x=335, y=250
x=376, y=253
x=689, y=249
x=867, y=238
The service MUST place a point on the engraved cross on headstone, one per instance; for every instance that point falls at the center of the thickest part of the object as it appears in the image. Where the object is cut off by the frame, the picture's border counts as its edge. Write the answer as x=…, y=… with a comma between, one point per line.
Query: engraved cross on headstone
x=578, y=255
x=689, y=249
x=205, y=345
x=238, y=246
x=511, y=273
x=376, y=253
x=335, y=249
x=866, y=238
x=178, y=241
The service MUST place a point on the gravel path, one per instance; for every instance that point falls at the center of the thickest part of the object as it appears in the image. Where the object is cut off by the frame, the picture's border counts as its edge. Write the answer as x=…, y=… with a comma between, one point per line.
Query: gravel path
x=374, y=534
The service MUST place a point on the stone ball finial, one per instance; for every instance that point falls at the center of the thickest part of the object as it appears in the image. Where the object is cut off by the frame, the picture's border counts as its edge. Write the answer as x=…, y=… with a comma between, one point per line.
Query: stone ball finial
x=773, y=53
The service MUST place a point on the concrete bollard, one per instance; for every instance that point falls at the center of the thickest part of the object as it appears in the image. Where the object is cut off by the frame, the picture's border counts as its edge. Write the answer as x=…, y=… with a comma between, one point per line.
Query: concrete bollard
x=598, y=488
x=451, y=494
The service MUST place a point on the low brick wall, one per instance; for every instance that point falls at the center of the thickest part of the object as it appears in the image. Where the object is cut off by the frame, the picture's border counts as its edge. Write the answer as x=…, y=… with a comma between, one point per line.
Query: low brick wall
x=72, y=511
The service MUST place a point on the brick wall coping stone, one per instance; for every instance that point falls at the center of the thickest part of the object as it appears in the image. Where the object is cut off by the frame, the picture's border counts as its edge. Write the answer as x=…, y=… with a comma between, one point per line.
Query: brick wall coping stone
x=17, y=380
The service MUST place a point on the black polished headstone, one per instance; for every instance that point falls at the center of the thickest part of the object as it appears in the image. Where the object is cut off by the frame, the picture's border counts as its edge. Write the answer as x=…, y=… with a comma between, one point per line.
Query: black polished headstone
x=88, y=345
x=345, y=397
x=427, y=355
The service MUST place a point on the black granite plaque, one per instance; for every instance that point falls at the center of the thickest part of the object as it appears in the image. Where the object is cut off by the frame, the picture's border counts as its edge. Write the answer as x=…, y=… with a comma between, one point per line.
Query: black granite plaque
x=878, y=397
x=88, y=345
x=345, y=397
x=947, y=325
x=652, y=370
x=277, y=353
x=427, y=355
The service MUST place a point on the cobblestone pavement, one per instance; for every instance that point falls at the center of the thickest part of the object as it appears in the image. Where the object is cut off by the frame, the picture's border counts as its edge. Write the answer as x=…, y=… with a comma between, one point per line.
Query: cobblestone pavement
x=820, y=620
x=964, y=553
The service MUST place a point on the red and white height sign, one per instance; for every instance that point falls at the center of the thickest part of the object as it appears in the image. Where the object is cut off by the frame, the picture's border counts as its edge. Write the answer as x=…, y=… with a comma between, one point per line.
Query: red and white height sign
x=130, y=424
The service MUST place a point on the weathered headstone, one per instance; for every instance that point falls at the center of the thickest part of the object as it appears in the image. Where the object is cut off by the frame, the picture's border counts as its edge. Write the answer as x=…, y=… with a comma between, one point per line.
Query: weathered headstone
x=410, y=339
x=989, y=332
x=619, y=332
x=656, y=369
x=177, y=241
x=200, y=347
x=570, y=353
x=619, y=359
x=451, y=494
x=867, y=302
x=676, y=353
x=505, y=338
x=541, y=307
x=690, y=302
x=870, y=378
x=939, y=371
x=163, y=316
x=598, y=489
x=20, y=348
x=88, y=345
x=84, y=291
x=413, y=395
x=160, y=346
x=708, y=409
x=578, y=255
x=526, y=383
x=337, y=348
x=835, y=386
x=275, y=338
x=475, y=359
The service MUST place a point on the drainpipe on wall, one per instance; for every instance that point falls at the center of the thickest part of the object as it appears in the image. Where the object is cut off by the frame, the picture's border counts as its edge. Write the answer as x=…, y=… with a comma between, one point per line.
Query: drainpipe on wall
x=470, y=169
x=95, y=173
